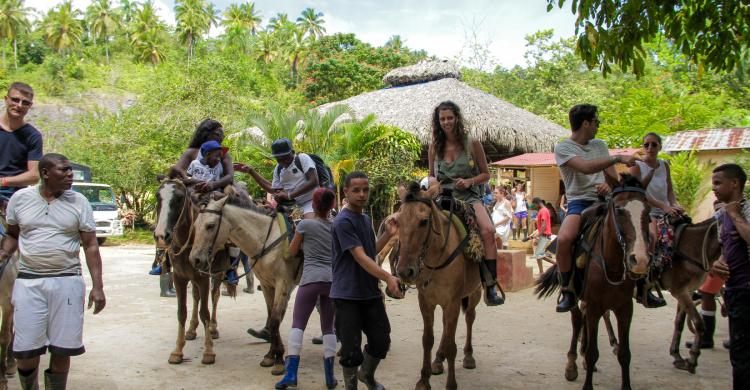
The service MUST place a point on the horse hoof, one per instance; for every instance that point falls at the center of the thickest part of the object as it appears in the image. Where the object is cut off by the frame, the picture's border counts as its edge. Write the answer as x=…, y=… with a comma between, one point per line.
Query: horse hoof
x=208, y=358
x=571, y=373
x=616, y=350
x=266, y=362
x=190, y=335
x=175, y=358
x=422, y=386
x=214, y=334
x=437, y=368
x=278, y=369
x=469, y=363
x=11, y=370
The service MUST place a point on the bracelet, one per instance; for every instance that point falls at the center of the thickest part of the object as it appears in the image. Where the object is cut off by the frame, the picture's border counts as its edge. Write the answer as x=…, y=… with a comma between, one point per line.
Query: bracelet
x=5, y=182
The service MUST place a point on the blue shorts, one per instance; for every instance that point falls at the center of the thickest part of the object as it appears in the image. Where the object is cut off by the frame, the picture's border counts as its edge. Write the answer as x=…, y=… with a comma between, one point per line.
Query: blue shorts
x=521, y=215
x=576, y=207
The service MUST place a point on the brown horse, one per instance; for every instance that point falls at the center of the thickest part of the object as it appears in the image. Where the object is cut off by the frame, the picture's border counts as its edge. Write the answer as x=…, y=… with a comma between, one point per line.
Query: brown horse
x=8, y=273
x=175, y=214
x=619, y=255
x=697, y=247
x=257, y=232
x=429, y=258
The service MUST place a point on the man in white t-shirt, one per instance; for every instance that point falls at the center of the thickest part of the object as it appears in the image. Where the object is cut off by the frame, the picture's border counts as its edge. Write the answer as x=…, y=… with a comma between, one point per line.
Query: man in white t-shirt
x=294, y=177
x=46, y=224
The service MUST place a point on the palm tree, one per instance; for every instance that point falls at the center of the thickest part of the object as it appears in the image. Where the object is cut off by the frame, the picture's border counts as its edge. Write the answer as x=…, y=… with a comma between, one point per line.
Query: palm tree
x=13, y=22
x=251, y=18
x=193, y=20
x=266, y=47
x=147, y=34
x=395, y=43
x=297, y=47
x=103, y=21
x=62, y=27
x=240, y=21
x=279, y=22
x=312, y=22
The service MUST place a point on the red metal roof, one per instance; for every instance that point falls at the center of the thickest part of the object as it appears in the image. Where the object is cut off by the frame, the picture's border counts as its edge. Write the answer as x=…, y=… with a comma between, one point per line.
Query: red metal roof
x=709, y=139
x=543, y=159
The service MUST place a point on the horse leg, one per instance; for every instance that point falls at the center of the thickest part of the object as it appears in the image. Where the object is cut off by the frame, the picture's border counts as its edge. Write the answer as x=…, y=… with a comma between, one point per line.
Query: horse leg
x=180, y=286
x=269, y=292
x=437, y=364
x=209, y=356
x=624, y=315
x=450, y=318
x=281, y=299
x=685, y=301
x=571, y=369
x=674, y=348
x=592, y=350
x=470, y=316
x=215, y=294
x=611, y=333
x=428, y=340
x=5, y=335
x=192, y=331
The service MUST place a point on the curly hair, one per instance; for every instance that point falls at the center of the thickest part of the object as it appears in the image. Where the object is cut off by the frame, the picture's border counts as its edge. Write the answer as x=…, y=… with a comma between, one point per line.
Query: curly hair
x=438, y=135
x=203, y=131
x=323, y=201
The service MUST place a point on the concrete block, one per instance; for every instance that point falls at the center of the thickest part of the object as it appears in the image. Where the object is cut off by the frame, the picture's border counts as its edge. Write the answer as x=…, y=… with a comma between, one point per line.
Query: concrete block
x=512, y=270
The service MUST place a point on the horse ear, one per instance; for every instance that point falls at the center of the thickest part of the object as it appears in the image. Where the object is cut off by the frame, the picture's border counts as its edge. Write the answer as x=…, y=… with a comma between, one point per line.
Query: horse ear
x=229, y=190
x=401, y=192
x=612, y=181
x=218, y=195
x=434, y=189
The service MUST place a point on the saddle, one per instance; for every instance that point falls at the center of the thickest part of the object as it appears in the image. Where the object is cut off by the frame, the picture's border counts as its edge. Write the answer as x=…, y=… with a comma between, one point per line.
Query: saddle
x=591, y=220
x=463, y=217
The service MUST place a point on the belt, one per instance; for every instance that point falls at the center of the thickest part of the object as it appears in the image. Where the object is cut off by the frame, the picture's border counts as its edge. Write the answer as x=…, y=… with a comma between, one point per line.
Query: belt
x=25, y=275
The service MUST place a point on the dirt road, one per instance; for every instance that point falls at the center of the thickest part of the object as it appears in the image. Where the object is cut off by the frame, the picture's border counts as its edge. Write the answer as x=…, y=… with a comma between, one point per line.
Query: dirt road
x=520, y=345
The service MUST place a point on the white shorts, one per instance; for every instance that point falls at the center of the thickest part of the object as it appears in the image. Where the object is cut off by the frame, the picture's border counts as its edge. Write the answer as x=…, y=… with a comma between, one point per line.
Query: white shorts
x=306, y=207
x=48, y=312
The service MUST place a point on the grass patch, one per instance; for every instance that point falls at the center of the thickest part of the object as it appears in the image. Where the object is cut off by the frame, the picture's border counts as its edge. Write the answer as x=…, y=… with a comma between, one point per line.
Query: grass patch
x=132, y=236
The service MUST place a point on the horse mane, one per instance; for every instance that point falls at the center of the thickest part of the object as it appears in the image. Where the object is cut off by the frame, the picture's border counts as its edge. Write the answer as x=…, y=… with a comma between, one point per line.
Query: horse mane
x=628, y=180
x=245, y=202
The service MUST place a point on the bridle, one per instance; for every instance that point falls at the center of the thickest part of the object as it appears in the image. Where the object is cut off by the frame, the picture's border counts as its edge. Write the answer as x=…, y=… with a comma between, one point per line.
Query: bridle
x=185, y=205
x=618, y=235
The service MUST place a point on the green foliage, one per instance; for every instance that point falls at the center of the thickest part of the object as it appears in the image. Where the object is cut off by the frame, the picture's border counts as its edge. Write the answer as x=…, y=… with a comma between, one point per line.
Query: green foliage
x=714, y=34
x=670, y=96
x=139, y=235
x=689, y=179
x=743, y=160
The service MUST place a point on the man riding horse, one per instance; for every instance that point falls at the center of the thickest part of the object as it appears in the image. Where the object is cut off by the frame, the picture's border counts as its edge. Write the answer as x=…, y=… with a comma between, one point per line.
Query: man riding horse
x=583, y=161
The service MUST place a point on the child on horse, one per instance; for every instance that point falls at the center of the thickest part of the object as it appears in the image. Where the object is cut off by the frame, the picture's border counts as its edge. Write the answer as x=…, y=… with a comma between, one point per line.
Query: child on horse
x=460, y=166
x=583, y=161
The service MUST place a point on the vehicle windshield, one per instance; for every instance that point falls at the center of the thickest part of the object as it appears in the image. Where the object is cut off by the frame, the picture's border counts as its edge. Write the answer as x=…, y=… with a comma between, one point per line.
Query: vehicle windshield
x=101, y=198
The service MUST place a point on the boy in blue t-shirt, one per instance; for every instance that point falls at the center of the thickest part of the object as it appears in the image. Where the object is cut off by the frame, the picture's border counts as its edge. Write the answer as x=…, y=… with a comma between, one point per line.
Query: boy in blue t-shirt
x=354, y=288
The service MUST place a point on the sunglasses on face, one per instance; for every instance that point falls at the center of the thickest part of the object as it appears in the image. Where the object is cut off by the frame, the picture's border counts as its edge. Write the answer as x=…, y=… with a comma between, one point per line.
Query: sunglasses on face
x=17, y=100
x=647, y=145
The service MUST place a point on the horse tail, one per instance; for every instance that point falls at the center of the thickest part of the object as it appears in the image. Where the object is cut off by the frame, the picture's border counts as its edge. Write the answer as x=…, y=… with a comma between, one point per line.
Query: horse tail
x=547, y=283
x=464, y=304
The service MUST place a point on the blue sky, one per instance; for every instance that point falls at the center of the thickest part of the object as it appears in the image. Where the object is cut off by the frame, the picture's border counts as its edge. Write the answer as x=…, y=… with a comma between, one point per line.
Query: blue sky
x=437, y=26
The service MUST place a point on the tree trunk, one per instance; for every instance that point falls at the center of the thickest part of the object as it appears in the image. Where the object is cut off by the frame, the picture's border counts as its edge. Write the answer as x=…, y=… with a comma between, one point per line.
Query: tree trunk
x=106, y=51
x=15, y=53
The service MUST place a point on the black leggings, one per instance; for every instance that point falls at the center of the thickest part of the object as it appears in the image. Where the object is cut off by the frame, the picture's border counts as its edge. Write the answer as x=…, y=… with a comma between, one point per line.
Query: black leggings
x=356, y=317
x=738, y=308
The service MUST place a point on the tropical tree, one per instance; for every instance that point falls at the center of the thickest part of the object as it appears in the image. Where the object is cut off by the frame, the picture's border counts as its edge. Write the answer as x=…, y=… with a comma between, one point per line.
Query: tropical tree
x=148, y=35
x=194, y=18
x=62, y=27
x=688, y=179
x=395, y=43
x=240, y=22
x=312, y=22
x=710, y=33
x=297, y=48
x=266, y=47
x=103, y=21
x=13, y=22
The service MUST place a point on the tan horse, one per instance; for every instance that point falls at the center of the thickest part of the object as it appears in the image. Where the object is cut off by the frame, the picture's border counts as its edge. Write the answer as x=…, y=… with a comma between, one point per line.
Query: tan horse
x=175, y=215
x=428, y=240
x=7, y=280
x=259, y=233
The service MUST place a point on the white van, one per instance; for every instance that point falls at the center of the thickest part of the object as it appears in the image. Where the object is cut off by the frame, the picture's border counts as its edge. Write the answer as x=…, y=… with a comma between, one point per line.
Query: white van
x=106, y=213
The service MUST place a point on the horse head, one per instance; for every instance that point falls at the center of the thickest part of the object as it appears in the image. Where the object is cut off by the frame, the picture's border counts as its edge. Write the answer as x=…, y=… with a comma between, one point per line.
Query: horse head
x=210, y=231
x=170, y=201
x=417, y=219
x=629, y=216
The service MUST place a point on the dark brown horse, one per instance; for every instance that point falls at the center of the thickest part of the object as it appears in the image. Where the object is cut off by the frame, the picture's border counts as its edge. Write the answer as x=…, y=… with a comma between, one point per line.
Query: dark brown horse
x=619, y=256
x=696, y=248
x=429, y=258
x=175, y=214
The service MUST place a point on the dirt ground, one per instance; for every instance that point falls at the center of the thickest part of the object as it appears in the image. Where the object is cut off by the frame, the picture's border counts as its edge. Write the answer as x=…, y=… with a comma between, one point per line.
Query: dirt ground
x=521, y=345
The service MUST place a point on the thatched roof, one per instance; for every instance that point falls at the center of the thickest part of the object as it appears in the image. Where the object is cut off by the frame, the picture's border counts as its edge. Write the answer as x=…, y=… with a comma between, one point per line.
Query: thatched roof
x=422, y=72
x=503, y=128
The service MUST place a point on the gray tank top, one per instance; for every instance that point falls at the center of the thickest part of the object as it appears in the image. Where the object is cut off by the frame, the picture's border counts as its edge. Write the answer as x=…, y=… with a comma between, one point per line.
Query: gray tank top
x=658, y=188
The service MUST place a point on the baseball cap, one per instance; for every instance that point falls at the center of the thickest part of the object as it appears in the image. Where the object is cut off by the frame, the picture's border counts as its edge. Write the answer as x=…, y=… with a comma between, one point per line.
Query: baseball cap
x=281, y=147
x=209, y=146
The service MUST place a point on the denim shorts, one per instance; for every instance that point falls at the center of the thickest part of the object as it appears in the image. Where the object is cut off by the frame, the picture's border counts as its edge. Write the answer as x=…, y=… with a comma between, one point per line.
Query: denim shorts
x=576, y=207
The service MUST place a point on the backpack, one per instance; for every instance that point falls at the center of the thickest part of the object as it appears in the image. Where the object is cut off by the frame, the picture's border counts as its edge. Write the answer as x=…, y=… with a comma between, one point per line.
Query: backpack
x=325, y=176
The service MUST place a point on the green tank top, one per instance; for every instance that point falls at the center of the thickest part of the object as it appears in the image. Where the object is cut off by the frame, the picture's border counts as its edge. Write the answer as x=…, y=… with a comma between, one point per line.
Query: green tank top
x=463, y=167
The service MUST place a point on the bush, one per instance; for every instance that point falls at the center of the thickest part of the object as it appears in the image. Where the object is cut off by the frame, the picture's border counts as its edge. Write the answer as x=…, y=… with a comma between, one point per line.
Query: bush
x=688, y=178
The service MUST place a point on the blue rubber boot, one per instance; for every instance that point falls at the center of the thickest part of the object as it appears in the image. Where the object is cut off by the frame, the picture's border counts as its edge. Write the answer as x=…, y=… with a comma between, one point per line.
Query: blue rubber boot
x=155, y=271
x=232, y=277
x=331, y=381
x=290, y=377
